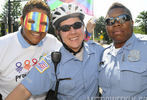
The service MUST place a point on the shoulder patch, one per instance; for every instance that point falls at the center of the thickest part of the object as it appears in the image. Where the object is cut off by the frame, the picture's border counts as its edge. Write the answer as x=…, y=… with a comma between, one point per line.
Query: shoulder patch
x=42, y=66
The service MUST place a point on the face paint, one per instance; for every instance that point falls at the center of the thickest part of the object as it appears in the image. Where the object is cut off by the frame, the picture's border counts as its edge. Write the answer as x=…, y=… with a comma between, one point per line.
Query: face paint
x=36, y=21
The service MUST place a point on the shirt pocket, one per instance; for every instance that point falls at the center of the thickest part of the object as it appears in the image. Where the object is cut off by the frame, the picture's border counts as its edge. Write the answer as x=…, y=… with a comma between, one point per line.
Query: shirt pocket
x=132, y=76
x=66, y=87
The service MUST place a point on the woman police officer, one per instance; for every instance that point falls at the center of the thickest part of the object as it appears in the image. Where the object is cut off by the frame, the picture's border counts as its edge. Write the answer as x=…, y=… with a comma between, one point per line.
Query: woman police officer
x=79, y=62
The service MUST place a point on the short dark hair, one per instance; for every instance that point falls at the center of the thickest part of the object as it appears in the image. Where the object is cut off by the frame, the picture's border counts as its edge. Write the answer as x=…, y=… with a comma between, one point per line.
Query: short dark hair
x=35, y=4
x=119, y=5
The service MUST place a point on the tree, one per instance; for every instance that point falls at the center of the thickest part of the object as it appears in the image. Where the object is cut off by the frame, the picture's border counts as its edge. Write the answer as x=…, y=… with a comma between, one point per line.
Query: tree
x=142, y=20
x=101, y=30
x=15, y=13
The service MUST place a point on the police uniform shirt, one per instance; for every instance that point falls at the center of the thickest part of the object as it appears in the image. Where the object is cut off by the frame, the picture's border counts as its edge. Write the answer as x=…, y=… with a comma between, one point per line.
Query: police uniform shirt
x=83, y=74
x=125, y=75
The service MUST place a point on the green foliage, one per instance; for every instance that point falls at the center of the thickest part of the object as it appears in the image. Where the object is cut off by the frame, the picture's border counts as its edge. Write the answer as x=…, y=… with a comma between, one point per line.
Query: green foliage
x=15, y=13
x=142, y=20
x=101, y=30
x=137, y=29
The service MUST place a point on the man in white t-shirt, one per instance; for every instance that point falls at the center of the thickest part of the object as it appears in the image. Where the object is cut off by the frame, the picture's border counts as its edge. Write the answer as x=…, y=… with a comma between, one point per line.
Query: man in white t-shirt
x=20, y=50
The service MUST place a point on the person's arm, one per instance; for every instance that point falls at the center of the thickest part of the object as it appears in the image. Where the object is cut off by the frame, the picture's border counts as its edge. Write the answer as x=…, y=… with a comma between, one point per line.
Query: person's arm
x=91, y=25
x=19, y=93
x=89, y=29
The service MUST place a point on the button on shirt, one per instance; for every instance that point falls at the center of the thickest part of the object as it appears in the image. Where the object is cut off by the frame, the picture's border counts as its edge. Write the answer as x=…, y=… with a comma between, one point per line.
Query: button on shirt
x=84, y=75
x=125, y=74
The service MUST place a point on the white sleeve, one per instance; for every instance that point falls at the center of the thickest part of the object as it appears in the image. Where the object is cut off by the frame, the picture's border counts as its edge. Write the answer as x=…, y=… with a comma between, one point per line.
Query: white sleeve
x=4, y=44
x=52, y=42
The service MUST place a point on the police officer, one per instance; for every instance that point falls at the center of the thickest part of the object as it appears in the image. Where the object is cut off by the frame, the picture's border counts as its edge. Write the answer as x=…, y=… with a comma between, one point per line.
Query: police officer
x=123, y=73
x=79, y=62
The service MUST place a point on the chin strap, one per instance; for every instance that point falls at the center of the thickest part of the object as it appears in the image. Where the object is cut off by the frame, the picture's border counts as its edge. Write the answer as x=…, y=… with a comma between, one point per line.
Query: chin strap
x=69, y=49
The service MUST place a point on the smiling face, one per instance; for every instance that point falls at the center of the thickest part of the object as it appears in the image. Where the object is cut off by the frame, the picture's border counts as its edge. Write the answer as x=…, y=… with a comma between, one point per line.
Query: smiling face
x=74, y=37
x=33, y=36
x=119, y=32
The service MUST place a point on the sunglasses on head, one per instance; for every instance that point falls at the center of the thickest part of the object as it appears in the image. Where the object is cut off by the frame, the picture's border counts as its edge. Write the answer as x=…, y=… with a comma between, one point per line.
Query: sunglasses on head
x=121, y=19
x=66, y=28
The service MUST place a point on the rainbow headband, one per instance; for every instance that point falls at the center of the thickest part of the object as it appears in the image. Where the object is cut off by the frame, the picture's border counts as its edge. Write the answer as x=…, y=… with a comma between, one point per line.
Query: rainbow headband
x=36, y=21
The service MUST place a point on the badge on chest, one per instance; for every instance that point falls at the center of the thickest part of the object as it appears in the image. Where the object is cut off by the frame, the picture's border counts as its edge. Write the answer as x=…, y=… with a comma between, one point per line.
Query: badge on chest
x=134, y=55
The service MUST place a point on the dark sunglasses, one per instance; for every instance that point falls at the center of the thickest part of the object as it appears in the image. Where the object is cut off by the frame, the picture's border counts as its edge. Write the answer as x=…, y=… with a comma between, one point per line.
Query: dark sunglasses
x=66, y=28
x=121, y=19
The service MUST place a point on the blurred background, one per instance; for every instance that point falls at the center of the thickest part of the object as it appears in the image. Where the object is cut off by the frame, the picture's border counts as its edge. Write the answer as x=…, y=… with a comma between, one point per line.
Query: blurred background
x=10, y=12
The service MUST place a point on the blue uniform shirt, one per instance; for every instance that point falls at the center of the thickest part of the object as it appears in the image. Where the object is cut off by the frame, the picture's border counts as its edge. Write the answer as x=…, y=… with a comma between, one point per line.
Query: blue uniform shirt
x=125, y=74
x=83, y=74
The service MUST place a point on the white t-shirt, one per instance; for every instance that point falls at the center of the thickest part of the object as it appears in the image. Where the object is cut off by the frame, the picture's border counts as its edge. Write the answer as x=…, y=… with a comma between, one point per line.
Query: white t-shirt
x=17, y=57
x=116, y=51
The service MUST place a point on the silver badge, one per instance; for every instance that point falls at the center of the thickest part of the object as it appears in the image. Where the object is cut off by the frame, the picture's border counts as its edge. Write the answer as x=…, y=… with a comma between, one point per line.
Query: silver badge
x=134, y=55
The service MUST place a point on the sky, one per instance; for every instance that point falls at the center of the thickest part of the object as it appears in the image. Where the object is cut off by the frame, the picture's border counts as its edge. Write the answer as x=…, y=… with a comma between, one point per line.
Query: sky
x=135, y=6
x=100, y=7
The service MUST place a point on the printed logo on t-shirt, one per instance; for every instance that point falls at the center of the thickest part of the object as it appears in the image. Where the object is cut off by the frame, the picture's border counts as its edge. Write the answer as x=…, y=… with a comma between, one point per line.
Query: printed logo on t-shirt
x=27, y=64
x=42, y=66
x=24, y=66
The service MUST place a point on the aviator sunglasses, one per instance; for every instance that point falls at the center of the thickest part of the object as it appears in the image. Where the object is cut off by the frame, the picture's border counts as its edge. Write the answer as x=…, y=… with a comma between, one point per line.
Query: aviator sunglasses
x=121, y=19
x=66, y=28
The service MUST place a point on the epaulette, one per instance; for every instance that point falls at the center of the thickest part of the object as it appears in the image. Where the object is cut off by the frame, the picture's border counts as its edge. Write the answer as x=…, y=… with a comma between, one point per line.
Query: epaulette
x=141, y=37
